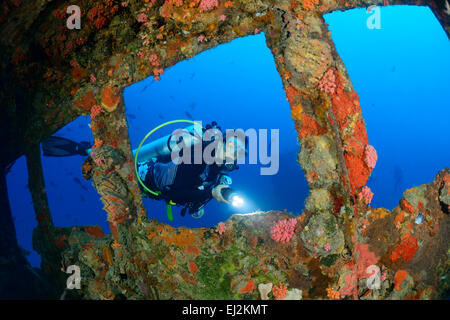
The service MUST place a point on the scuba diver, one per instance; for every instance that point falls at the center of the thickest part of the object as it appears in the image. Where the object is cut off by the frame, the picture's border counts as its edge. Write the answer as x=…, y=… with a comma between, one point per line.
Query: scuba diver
x=188, y=184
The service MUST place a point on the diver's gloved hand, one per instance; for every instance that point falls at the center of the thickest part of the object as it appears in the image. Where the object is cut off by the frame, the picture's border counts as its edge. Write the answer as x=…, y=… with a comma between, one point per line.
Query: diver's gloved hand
x=217, y=193
x=224, y=179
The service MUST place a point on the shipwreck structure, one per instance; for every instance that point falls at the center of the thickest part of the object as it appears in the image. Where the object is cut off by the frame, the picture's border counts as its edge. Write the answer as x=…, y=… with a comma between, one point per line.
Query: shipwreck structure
x=51, y=74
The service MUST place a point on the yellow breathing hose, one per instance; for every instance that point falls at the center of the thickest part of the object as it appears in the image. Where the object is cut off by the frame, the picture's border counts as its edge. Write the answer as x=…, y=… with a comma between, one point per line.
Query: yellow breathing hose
x=156, y=193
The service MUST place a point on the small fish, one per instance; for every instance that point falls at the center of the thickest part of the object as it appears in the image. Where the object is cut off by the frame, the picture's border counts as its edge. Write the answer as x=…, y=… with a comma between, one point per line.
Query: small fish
x=393, y=69
x=189, y=115
x=81, y=126
x=68, y=129
x=84, y=188
x=192, y=76
x=52, y=184
x=192, y=105
x=69, y=173
x=160, y=116
x=82, y=198
x=77, y=180
x=146, y=86
x=131, y=116
x=171, y=97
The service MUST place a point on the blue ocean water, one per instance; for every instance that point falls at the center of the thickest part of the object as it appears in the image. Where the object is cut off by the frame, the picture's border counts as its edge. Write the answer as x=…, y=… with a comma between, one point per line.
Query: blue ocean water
x=399, y=71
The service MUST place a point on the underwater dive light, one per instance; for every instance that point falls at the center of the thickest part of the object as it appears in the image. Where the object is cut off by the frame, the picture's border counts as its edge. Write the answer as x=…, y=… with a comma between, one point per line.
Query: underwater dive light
x=233, y=197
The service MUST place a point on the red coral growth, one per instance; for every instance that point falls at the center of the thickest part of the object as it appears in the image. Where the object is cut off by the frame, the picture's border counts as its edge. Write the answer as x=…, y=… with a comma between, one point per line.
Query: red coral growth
x=357, y=171
x=366, y=258
x=310, y=127
x=406, y=206
x=406, y=249
x=400, y=276
x=279, y=292
x=110, y=98
x=94, y=231
x=193, y=267
x=168, y=6
x=345, y=107
x=193, y=249
x=350, y=288
x=249, y=287
x=78, y=73
x=309, y=4
x=86, y=102
x=333, y=294
x=291, y=93
x=61, y=241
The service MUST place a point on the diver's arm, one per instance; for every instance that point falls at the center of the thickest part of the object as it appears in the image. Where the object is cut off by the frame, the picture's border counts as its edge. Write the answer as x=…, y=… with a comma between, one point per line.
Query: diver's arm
x=194, y=195
x=217, y=193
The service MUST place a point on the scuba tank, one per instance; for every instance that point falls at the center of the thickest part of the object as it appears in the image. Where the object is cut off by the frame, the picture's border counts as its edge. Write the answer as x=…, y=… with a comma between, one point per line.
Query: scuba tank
x=162, y=148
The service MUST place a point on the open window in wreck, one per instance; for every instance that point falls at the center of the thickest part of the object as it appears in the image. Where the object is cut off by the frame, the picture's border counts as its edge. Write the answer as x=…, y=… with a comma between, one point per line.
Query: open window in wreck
x=238, y=86
x=314, y=257
x=402, y=87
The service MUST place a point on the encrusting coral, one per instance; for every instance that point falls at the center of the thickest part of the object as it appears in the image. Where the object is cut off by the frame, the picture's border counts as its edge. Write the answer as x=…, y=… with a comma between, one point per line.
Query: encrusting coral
x=56, y=74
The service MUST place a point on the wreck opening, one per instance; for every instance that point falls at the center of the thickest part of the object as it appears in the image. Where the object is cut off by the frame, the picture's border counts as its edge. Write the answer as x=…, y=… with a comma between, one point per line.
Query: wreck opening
x=22, y=210
x=400, y=98
x=237, y=85
x=72, y=199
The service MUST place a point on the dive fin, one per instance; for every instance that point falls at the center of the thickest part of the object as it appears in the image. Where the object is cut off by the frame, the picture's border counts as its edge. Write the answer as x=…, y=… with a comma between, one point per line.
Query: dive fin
x=63, y=147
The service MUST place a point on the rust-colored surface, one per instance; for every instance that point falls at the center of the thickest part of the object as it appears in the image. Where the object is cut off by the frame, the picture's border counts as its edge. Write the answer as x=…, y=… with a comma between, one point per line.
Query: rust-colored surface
x=52, y=74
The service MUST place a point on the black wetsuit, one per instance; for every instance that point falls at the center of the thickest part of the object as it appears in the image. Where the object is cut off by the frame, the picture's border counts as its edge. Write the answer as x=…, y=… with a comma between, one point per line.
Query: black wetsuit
x=189, y=178
x=185, y=184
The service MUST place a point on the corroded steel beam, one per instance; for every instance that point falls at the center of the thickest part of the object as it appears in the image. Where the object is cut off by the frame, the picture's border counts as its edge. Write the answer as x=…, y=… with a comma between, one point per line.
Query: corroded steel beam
x=57, y=74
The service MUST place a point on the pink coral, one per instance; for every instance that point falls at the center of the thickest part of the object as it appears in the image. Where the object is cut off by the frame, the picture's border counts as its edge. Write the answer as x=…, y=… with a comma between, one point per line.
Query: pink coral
x=222, y=17
x=95, y=110
x=154, y=60
x=328, y=82
x=201, y=38
x=157, y=72
x=142, y=17
x=93, y=78
x=206, y=5
x=280, y=292
x=283, y=230
x=327, y=247
x=140, y=54
x=221, y=227
x=371, y=156
x=366, y=195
